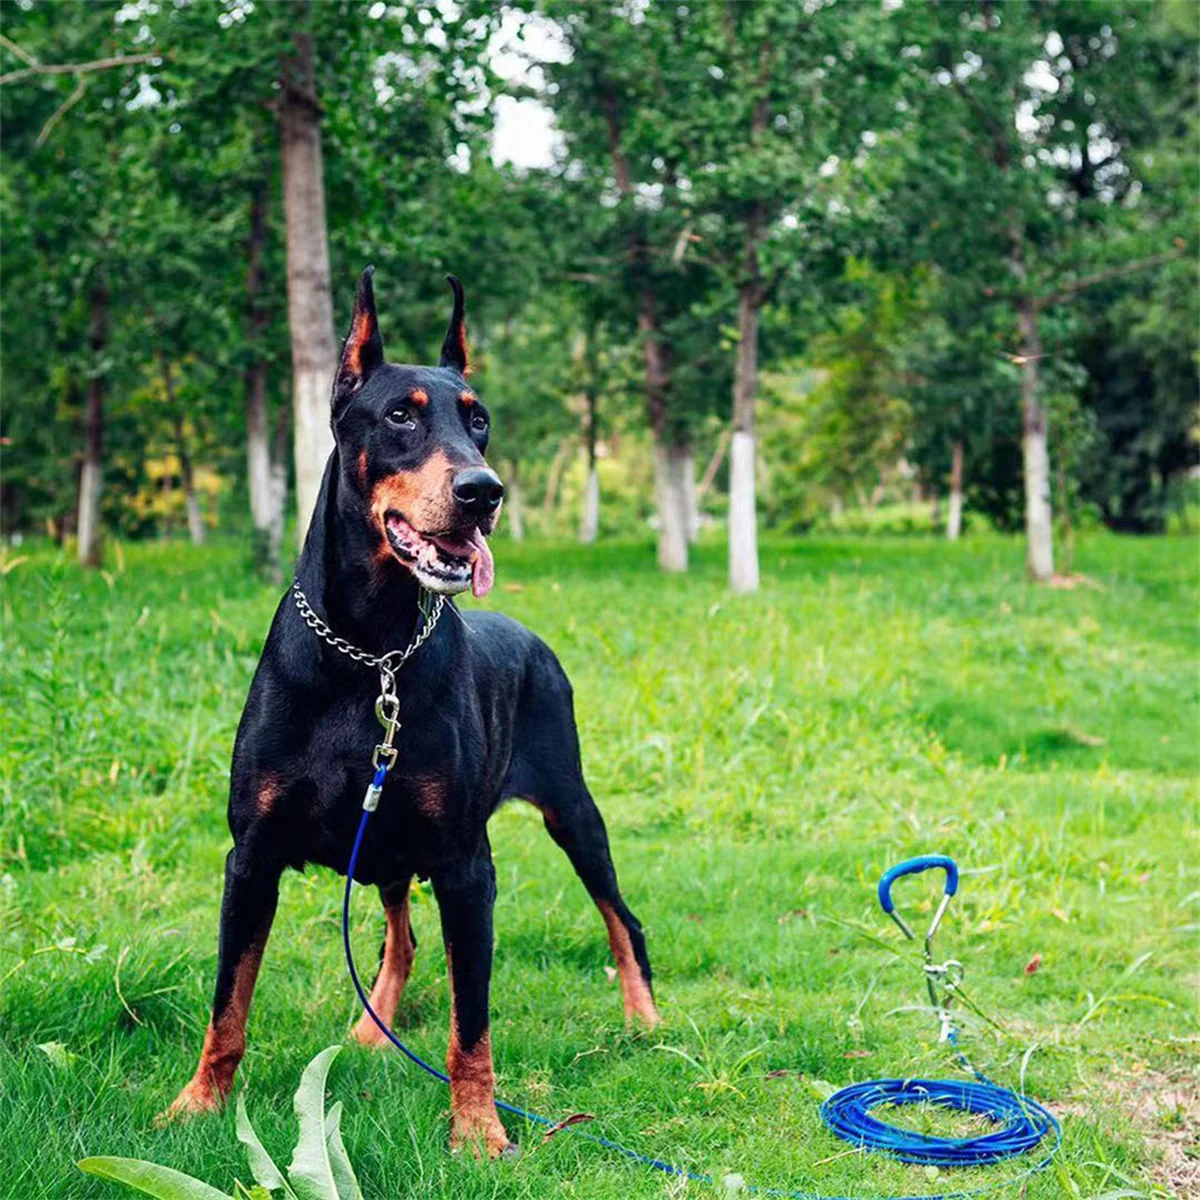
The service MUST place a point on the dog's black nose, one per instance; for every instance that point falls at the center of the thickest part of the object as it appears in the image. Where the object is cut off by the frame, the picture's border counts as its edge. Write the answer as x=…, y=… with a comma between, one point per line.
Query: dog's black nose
x=478, y=490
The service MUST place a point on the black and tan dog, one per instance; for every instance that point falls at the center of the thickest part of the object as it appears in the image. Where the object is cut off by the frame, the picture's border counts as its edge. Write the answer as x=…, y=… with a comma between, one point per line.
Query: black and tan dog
x=407, y=502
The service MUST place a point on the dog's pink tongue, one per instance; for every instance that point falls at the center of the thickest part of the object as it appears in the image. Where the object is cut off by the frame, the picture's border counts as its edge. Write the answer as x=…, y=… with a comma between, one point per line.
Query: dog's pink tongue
x=483, y=570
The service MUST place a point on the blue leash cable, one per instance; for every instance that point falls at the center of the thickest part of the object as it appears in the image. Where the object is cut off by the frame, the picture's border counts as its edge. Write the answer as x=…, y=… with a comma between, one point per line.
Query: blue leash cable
x=1023, y=1123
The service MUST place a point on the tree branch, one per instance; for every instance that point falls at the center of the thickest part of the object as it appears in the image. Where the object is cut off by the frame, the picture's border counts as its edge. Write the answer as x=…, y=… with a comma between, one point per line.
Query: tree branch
x=1130, y=268
x=99, y=64
x=62, y=110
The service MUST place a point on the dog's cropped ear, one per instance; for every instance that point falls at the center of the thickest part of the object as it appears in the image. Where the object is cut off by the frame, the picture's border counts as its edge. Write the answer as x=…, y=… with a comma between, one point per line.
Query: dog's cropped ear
x=362, y=351
x=454, y=345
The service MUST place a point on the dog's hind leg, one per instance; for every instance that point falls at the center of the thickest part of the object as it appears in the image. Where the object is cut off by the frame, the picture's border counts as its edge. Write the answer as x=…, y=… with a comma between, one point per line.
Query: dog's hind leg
x=247, y=910
x=395, y=963
x=574, y=822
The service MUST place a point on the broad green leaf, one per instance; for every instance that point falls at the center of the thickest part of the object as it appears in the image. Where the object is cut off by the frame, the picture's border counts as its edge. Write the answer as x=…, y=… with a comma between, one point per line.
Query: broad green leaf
x=59, y=1056
x=262, y=1165
x=150, y=1178
x=339, y=1160
x=310, y=1171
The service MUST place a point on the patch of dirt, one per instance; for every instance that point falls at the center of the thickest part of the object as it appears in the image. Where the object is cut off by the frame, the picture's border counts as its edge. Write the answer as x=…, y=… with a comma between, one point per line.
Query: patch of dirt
x=1165, y=1107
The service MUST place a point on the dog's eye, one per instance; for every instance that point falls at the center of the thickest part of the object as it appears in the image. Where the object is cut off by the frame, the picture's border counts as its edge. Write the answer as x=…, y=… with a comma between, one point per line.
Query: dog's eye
x=402, y=417
x=479, y=423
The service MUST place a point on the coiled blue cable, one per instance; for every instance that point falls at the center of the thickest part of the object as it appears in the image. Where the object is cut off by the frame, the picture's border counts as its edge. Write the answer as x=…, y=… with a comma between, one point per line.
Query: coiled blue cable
x=1023, y=1123
x=847, y=1112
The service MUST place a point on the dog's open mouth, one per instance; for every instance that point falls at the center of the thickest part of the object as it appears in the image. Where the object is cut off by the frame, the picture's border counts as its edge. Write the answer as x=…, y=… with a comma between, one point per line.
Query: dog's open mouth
x=443, y=563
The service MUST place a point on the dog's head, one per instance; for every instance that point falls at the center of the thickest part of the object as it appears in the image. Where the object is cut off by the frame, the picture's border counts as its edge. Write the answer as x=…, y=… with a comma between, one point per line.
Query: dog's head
x=412, y=441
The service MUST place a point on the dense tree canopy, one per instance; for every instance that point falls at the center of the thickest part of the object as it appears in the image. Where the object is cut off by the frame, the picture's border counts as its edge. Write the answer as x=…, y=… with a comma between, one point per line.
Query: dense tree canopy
x=896, y=249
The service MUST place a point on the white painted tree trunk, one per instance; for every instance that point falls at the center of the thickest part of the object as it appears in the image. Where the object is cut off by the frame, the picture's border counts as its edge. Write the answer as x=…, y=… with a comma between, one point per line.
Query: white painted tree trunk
x=90, y=487
x=255, y=321
x=743, y=515
x=743, y=519
x=514, y=510
x=310, y=303
x=672, y=508
x=691, y=500
x=195, y=519
x=278, y=500
x=954, y=518
x=258, y=450
x=1039, y=524
x=589, y=524
x=91, y=479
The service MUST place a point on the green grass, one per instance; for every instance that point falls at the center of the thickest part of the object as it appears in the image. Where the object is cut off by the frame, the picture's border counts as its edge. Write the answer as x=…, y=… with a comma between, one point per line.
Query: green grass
x=759, y=761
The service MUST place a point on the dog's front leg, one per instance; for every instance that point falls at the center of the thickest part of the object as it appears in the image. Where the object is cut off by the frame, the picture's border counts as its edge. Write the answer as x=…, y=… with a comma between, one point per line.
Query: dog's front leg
x=247, y=910
x=466, y=893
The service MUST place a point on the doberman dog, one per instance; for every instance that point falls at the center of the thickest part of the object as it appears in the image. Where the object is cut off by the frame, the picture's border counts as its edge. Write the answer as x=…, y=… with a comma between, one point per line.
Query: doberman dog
x=407, y=502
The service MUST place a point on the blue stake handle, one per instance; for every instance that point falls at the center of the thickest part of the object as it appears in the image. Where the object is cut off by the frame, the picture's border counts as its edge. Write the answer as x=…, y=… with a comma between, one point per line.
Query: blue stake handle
x=914, y=866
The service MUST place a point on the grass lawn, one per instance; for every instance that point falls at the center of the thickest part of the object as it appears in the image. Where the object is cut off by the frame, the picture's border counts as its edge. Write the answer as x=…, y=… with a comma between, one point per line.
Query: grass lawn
x=759, y=762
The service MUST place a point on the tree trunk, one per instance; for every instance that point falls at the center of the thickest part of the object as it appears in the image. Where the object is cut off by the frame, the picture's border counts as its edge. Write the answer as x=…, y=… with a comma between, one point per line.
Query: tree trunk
x=91, y=478
x=310, y=304
x=550, y=500
x=743, y=519
x=743, y=492
x=954, y=520
x=589, y=522
x=691, y=499
x=513, y=508
x=1039, y=531
x=258, y=453
x=1039, y=527
x=672, y=526
x=195, y=521
x=670, y=465
x=277, y=499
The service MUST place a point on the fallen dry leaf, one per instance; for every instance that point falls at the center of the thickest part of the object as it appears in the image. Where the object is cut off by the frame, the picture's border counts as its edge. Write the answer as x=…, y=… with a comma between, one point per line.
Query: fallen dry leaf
x=573, y=1119
x=1031, y=967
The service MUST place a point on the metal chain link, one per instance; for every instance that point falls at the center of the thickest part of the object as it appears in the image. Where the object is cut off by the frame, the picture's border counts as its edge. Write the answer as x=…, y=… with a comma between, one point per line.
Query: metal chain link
x=386, y=664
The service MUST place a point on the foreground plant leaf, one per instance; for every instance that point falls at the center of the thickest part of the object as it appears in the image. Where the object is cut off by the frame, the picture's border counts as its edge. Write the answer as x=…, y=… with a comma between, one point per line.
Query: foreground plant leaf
x=310, y=1171
x=262, y=1165
x=339, y=1160
x=150, y=1178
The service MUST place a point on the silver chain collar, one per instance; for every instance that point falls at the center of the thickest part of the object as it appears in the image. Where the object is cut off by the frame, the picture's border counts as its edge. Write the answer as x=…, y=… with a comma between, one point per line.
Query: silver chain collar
x=387, y=703
x=388, y=663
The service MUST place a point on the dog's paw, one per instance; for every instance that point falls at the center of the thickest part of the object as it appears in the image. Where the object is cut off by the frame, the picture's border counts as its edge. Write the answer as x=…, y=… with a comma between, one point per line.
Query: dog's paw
x=367, y=1033
x=197, y=1099
x=640, y=1008
x=483, y=1137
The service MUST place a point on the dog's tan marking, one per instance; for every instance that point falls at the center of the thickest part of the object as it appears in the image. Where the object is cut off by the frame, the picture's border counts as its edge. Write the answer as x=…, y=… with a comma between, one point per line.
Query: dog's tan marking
x=422, y=496
x=361, y=332
x=634, y=989
x=551, y=821
x=362, y=469
x=399, y=949
x=466, y=397
x=419, y=396
x=462, y=350
x=431, y=797
x=224, y=1043
x=474, y=1121
x=268, y=794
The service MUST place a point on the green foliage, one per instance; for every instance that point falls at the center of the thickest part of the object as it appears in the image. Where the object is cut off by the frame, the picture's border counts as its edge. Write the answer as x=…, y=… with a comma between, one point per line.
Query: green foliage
x=320, y=1168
